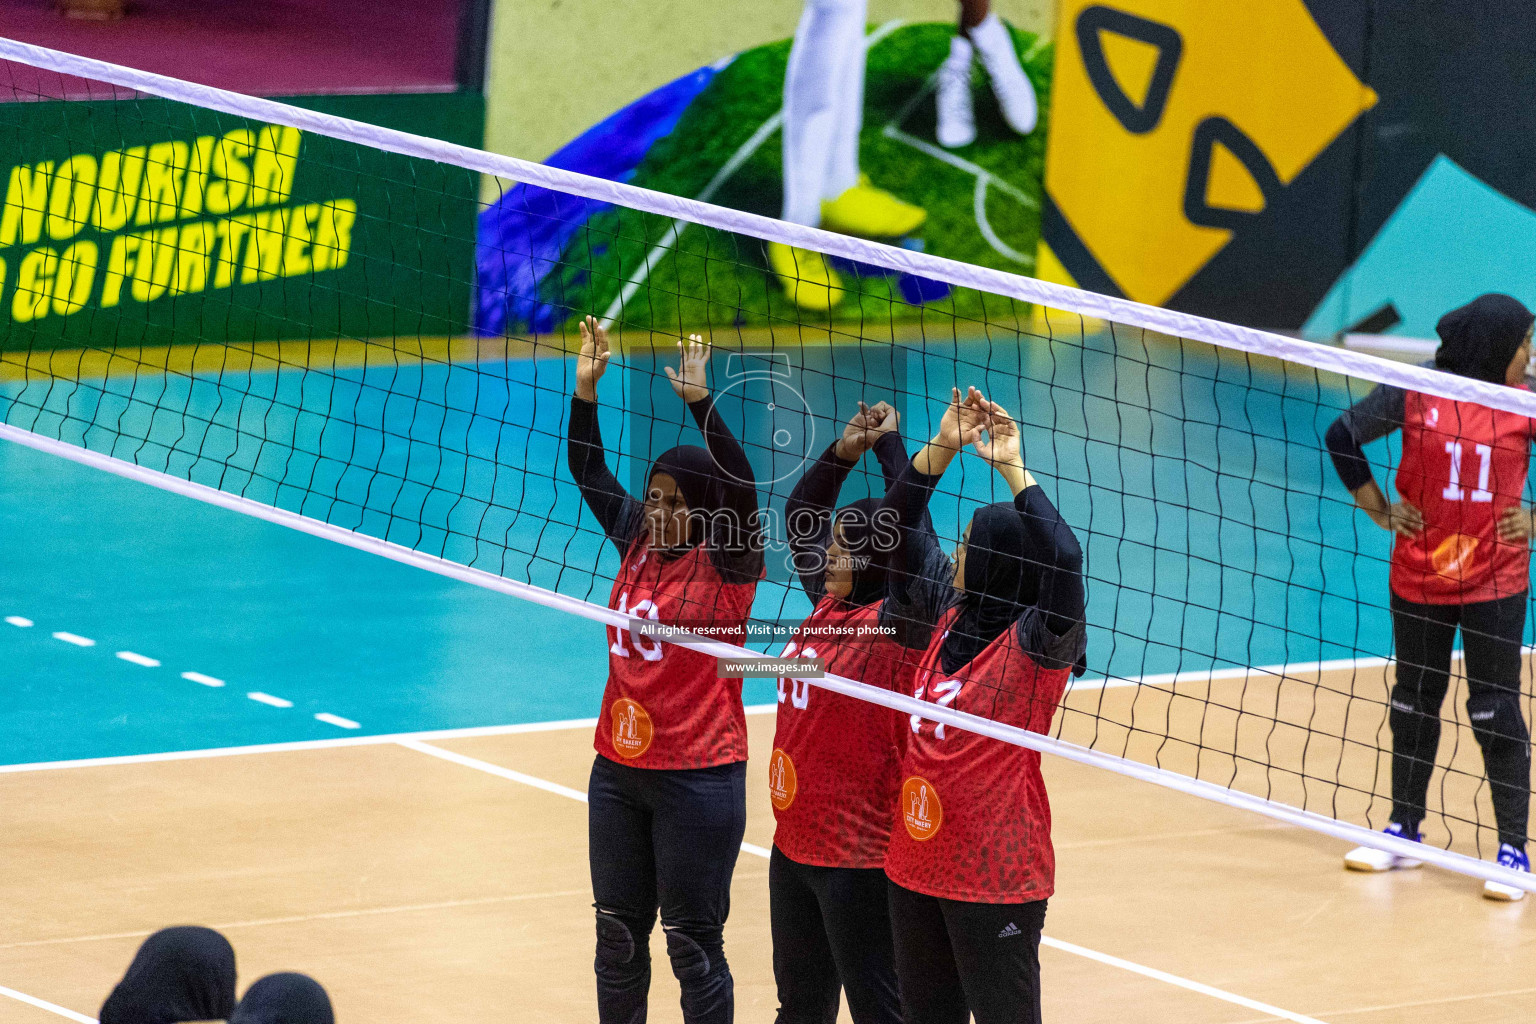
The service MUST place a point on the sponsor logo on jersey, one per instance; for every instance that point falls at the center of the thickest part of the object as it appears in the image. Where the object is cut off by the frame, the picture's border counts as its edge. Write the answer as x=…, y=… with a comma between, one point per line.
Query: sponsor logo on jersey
x=632, y=729
x=1453, y=555
x=920, y=808
x=782, y=782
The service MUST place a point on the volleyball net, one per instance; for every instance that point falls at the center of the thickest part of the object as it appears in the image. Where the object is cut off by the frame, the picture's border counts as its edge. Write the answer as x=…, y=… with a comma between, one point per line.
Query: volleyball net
x=371, y=336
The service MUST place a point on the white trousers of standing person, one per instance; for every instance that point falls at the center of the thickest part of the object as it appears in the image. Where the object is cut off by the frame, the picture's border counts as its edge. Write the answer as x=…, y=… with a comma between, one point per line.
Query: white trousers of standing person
x=823, y=107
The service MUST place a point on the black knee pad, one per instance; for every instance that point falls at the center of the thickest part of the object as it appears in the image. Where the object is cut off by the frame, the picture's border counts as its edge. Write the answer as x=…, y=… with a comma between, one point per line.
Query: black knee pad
x=690, y=961
x=1406, y=714
x=616, y=945
x=1496, y=717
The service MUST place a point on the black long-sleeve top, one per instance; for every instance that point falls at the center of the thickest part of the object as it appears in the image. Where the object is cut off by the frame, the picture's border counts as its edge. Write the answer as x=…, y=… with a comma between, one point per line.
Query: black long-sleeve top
x=1052, y=629
x=809, y=507
x=1373, y=417
x=736, y=546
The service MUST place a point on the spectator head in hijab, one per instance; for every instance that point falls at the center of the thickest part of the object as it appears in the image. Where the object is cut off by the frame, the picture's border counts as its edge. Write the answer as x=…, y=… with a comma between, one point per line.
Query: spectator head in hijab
x=855, y=569
x=178, y=974
x=284, y=999
x=1487, y=339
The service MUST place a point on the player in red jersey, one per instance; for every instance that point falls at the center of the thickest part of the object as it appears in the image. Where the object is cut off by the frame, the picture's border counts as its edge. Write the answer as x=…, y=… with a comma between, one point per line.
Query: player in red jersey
x=1461, y=556
x=667, y=797
x=833, y=773
x=970, y=861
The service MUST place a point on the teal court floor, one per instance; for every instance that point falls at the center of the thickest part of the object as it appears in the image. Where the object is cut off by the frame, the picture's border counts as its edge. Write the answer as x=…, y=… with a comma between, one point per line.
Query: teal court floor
x=1216, y=536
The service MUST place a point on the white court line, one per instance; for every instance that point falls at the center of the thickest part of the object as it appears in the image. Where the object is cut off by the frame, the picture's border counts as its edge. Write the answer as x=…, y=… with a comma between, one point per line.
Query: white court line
x=494, y=769
x=758, y=851
x=291, y=746
x=268, y=699
x=198, y=677
x=1174, y=979
x=138, y=659
x=19, y=621
x=43, y=1004
x=1287, y=671
x=330, y=719
x=1291, y=670
x=75, y=638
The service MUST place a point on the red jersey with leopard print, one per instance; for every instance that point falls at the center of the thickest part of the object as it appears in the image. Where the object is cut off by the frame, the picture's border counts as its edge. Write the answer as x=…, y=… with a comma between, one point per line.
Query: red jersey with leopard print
x=973, y=822
x=666, y=706
x=835, y=766
x=1463, y=464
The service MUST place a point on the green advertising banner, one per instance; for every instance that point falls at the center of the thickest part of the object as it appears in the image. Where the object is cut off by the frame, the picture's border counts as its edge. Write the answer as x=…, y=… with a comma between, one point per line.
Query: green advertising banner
x=149, y=222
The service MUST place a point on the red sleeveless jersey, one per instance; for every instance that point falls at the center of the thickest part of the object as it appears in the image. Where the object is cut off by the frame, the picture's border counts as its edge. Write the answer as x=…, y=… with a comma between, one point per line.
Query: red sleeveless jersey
x=1463, y=464
x=666, y=706
x=835, y=767
x=973, y=822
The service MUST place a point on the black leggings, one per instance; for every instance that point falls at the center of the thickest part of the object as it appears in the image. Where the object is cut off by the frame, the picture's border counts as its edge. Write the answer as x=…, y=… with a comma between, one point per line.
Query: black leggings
x=668, y=840
x=831, y=929
x=955, y=960
x=1491, y=632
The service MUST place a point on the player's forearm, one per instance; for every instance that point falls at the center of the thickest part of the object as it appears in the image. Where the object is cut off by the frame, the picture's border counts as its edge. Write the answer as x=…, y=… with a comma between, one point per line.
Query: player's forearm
x=1370, y=498
x=723, y=446
x=892, y=453
x=933, y=458
x=1017, y=477
x=819, y=487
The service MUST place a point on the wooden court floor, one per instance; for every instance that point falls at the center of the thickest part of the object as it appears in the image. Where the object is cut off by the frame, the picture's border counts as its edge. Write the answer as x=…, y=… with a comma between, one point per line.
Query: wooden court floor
x=446, y=881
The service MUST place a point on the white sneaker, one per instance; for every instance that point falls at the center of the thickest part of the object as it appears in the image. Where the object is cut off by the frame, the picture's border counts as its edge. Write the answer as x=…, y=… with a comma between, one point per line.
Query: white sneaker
x=1011, y=85
x=1516, y=860
x=1366, y=858
x=957, y=115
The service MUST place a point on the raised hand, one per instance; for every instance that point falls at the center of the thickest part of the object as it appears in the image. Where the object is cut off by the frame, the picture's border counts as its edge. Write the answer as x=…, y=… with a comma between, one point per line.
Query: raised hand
x=890, y=421
x=592, y=361
x=963, y=421
x=692, y=365
x=865, y=428
x=961, y=425
x=1001, y=446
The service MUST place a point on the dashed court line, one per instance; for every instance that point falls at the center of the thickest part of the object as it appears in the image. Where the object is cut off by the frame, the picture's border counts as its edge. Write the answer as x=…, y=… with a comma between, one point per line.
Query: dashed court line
x=202, y=679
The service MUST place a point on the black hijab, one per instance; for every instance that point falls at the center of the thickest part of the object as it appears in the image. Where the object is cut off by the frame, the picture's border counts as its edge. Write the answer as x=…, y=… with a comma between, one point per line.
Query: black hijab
x=698, y=478
x=997, y=584
x=857, y=519
x=178, y=974
x=285, y=999
x=1479, y=339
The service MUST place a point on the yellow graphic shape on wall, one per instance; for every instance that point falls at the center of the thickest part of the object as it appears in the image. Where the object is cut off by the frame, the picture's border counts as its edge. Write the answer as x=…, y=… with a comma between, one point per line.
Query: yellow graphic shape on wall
x=1231, y=186
x=1172, y=120
x=1132, y=62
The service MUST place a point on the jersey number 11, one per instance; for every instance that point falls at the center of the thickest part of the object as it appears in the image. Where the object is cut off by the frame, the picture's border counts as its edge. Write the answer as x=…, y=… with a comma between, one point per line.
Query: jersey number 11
x=1453, y=491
